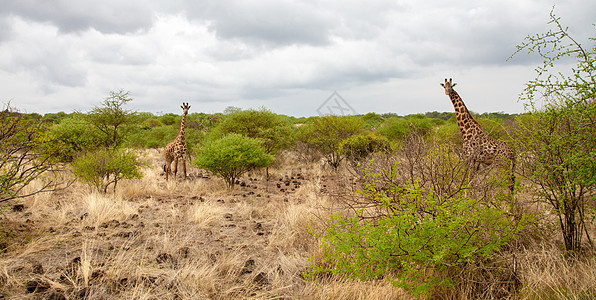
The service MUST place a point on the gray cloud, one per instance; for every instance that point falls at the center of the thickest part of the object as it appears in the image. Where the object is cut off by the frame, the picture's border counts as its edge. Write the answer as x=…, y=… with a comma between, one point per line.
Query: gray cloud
x=270, y=51
x=266, y=23
x=108, y=16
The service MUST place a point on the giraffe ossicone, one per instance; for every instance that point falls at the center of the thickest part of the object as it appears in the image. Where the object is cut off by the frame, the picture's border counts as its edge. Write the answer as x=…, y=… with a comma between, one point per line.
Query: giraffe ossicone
x=177, y=148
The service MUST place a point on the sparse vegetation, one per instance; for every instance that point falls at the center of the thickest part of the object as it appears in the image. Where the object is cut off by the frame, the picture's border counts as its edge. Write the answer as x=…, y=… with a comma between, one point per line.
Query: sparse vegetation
x=399, y=215
x=558, y=140
x=23, y=159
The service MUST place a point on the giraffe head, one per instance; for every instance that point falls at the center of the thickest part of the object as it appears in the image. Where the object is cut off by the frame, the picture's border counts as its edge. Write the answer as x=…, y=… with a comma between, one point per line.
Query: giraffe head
x=185, y=107
x=448, y=85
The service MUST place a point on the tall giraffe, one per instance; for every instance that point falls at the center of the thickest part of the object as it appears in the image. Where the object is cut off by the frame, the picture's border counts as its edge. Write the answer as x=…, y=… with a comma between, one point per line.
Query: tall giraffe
x=479, y=148
x=177, y=148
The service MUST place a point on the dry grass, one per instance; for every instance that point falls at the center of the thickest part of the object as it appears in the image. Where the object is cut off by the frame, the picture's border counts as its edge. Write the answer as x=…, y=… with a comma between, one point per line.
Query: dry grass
x=548, y=274
x=181, y=239
x=196, y=239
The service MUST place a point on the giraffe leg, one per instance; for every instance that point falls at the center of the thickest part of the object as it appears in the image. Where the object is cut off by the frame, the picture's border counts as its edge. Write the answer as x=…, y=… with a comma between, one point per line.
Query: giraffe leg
x=184, y=165
x=512, y=170
x=175, y=166
x=167, y=167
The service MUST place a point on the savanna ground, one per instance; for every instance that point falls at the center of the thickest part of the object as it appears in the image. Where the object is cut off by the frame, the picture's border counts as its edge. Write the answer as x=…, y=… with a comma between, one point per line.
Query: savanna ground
x=192, y=239
x=196, y=239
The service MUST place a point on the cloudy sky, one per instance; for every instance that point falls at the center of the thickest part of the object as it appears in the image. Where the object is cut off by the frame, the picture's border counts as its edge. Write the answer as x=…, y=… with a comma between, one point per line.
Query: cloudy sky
x=286, y=55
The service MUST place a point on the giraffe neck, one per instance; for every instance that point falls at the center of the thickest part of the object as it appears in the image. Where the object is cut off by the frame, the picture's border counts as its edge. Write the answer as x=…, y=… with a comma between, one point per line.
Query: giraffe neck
x=182, y=126
x=467, y=125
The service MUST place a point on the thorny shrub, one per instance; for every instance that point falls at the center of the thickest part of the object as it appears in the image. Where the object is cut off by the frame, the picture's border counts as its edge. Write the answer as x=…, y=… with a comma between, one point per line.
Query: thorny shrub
x=417, y=217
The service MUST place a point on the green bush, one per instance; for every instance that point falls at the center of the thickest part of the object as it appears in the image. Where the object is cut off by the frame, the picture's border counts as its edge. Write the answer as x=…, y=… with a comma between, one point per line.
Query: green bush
x=151, y=138
x=275, y=132
x=399, y=128
x=557, y=140
x=394, y=128
x=232, y=156
x=104, y=167
x=71, y=136
x=25, y=157
x=416, y=221
x=326, y=134
x=169, y=119
x=416, y=246
x=361, y=145
x=150, y=123
x=372, y=120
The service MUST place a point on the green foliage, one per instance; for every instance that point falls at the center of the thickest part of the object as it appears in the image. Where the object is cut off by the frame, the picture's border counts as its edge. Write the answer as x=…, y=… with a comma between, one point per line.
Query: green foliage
x=111, y=119
x=399, y=128
x=71, y=136
x=169, y=119
x=23, y=158
x=372, y=120
x=419, y=241
x=439, y=115
x=232, y=156
x=103, y=167
x=416, y=220
x=152, y=138
x=151, y=123
x=558, y=141
x=274, y=132
x=326, y=134
x=361, y=145
x=54, y=118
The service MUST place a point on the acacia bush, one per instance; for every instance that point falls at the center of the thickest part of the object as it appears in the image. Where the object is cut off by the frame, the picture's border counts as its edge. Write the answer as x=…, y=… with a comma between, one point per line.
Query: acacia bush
x=557, y=140
x=71, y=136
x=275, y=133
x=326, y=134
x=415, y=219
x=398, y=128
x=363, y=144
x=25, y=157
x=112, y=121
x=104, y=167
x=232, y=156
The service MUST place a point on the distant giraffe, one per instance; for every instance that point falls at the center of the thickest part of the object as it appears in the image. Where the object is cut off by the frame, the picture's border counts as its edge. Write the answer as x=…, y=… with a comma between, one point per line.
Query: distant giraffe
x=177, y=148
x=479, y=148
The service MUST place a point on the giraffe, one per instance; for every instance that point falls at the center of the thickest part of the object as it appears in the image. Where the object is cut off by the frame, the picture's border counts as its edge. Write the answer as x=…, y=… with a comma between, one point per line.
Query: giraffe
x=177, y=148
x=479, y=148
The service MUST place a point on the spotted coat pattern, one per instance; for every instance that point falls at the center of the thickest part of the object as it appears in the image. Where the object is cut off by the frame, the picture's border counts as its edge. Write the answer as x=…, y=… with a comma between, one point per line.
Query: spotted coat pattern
x=177, y=149
x=479, y=148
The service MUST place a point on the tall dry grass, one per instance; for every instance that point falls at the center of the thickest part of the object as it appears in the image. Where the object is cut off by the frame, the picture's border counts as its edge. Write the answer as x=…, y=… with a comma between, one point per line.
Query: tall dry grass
x=196, y=239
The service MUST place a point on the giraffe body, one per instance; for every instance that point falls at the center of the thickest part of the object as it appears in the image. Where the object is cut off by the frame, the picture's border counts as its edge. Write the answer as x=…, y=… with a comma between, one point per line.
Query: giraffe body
x=177, y=148
x=479, y=148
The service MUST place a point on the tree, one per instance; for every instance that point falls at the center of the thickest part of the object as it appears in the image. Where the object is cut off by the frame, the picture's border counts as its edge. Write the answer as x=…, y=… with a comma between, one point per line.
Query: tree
x=326, y=134
x=262, y=124
x=558, y=140
x=22, y=159
x=111, y=118
x=231, y=156
x=107, y=164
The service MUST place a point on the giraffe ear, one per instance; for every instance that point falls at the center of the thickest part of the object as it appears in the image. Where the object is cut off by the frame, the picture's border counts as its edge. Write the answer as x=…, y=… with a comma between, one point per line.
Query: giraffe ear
x=443, y=85
x=453, y=84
